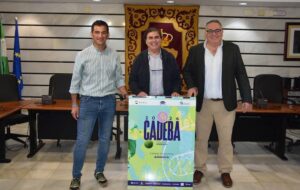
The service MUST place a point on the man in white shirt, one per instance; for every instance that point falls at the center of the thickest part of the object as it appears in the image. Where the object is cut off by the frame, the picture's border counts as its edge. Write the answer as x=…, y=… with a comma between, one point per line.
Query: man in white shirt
x=210, y=73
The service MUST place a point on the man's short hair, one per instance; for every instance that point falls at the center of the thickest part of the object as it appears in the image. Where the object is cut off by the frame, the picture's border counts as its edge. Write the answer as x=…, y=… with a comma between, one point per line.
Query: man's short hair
x=214, y=21
x=151, y=29
x=99, y=23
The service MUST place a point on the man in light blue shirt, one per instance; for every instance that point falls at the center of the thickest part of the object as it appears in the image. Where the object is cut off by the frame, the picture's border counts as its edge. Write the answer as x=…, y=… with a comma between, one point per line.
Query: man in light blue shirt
x=96, y=77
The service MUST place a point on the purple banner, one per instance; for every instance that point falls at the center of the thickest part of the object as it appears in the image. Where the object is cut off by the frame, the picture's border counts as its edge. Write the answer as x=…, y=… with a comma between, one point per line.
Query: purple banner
x=160, y=183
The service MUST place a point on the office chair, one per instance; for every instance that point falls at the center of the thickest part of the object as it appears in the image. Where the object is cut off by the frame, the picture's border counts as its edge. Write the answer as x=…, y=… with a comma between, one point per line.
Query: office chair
x=293, y=133
x=271, y=87
x=59, y=86
x=268, y=86
x=9, y=92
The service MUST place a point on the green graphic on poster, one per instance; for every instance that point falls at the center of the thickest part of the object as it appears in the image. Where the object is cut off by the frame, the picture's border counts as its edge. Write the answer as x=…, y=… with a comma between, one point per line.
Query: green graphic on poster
x=161, y=142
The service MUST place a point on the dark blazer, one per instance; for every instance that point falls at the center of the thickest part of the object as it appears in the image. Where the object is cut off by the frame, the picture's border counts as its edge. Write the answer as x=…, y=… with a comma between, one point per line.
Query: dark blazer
x=232, y=69
x=139, y=79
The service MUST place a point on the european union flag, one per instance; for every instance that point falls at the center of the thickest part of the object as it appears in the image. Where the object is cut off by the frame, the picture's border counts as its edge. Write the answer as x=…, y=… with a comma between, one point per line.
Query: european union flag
x=17, y=61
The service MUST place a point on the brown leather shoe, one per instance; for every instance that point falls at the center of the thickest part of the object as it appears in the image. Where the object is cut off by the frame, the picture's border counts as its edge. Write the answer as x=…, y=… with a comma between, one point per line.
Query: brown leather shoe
x=197, y=177
x=226, y=180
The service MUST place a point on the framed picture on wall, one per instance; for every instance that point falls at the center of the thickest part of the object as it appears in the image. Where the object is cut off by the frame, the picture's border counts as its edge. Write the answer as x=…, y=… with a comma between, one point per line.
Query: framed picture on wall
x=292, y=41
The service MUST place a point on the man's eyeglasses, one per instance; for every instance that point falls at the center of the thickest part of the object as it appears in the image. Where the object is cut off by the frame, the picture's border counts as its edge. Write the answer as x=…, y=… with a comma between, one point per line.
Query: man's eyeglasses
x=216, y=31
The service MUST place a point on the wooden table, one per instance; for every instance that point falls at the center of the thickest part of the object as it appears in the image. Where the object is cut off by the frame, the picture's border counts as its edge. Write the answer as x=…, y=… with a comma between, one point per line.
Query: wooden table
x=272, y=108
x=33, y=109
x=275, y=115
x=7, y=109
x=64, y=105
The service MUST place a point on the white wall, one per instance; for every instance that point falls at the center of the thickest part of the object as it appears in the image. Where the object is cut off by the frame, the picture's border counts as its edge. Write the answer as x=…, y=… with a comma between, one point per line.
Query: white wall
x=51, y=35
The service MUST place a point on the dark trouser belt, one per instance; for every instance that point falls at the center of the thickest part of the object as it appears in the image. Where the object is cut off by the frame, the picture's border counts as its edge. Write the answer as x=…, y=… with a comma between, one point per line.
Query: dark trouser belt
x=216, y=99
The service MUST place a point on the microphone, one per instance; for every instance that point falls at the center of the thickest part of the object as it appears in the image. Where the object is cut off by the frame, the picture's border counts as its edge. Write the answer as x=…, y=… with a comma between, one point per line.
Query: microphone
x=52, y=92
x=52, y=95
x=261, y=94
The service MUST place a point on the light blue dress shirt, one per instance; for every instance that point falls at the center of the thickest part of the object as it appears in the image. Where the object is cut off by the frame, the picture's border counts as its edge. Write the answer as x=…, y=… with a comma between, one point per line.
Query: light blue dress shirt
x=96, y=73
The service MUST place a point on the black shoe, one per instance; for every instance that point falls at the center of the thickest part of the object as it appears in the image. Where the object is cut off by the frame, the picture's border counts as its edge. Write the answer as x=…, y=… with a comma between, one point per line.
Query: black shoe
x=75, y=184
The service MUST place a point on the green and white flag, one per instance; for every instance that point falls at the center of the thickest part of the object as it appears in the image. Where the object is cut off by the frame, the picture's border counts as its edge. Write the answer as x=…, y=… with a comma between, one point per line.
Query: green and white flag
x=3, y=52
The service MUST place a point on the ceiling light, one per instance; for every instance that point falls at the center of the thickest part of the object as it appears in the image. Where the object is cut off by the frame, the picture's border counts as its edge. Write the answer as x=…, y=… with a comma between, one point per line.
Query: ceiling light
x=97, y=0
x=170, y=2
x=243, y=4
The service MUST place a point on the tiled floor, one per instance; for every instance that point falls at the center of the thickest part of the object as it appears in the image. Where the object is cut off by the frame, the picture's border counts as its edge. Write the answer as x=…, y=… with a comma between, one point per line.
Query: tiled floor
x=254, y=168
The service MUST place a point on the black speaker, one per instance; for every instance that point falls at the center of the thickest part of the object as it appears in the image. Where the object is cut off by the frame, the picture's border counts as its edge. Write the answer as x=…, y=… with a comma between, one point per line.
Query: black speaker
x=261, y=103
x=46, y=99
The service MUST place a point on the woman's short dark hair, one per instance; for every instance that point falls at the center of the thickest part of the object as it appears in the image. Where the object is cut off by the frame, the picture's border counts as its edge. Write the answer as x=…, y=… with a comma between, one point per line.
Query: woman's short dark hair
x=151, y=29
x=99, y=23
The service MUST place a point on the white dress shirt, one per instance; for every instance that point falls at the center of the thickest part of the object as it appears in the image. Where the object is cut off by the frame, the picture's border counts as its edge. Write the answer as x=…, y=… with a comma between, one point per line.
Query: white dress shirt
x=213, y=73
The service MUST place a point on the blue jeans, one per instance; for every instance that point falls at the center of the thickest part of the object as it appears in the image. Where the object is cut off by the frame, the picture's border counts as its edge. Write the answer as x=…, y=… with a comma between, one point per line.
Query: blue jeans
x=91, y=109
